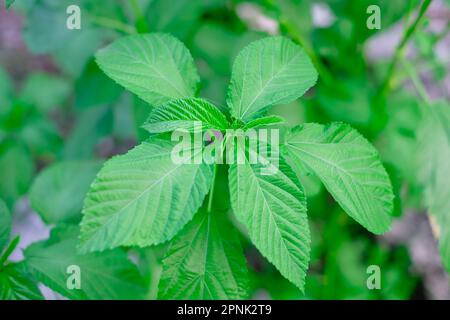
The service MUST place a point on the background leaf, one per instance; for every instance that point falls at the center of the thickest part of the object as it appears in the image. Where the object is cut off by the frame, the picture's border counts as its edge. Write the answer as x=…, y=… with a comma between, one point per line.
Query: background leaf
x=181, y=114
x=45, y=91
x=106, y=275
x=58, y=192
x=6, y=92
x=86, y=88
x=131, y=203
x=5, y=225
x=265, y=122
x=17, y=284
x=273, y=210
x=434, y=170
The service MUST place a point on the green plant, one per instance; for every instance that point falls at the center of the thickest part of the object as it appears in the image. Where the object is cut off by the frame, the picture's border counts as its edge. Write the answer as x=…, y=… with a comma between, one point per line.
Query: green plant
x=143, y=198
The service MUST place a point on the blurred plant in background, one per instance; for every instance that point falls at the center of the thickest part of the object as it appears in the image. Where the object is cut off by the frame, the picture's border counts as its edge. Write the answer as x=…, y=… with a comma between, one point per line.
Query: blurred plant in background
x=60, y=117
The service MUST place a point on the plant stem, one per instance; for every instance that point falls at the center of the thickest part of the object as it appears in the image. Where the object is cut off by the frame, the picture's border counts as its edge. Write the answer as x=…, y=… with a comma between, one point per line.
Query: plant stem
x=409, y=31
x=9, y=250
x=141, y=23
x=211, y=193
x=325, y=75
x=417, y=82
x=113, y=24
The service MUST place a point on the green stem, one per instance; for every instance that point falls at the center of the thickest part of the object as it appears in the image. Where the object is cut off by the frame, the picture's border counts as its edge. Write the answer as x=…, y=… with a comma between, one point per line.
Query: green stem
x=113, y=24
x=9, y=250
x=211, y=193
x=417, y=82
x=325, y=75
x=141, y=23
x=409, y=31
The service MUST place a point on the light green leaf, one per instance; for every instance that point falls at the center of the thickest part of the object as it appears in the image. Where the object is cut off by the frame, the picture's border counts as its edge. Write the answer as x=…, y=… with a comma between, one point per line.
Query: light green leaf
x=143, y=197
x=434, y=170
x=349, y=167
x=106, y=275
x=272, y=207
x=5, y=225
x=264, y=122
x=269, y=71
x=157, y=67
x=181, y=114
x=57, y=193
x=17, y=284
x=204, y=261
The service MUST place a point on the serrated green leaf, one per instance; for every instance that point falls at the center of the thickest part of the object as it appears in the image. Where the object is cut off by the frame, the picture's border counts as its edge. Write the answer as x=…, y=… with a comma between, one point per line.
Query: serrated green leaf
x=57, y=193
x=181, y=114
x=143, y=197
x=350, y=168
x=272, y=207
x=177, y=17
x=269, y=71
x=434, y=170
x=5, y=225
x=106, y=275
x=37, y=33
x=157, y=67
x=204, y=261
x=17, y=284
x=265, y=122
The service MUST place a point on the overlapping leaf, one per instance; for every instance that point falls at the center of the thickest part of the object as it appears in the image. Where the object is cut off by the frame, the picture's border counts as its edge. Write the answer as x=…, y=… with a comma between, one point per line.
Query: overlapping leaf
x=181, y=114
x=16, y=171
x=273, y=209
